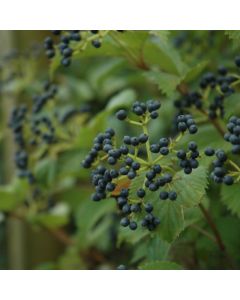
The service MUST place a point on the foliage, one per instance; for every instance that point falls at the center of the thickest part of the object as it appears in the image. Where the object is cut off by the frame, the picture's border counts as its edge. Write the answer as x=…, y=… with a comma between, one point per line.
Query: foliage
x=61, y=103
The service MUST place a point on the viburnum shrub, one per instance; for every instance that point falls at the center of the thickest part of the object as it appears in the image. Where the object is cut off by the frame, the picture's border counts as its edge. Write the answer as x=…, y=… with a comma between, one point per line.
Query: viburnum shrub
x=151, y=165
x=165, y=172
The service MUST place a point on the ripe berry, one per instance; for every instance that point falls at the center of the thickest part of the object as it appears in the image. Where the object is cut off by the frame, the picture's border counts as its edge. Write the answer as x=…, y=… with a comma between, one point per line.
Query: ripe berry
x=127, y=140
x=168, y=178
x=121, y=114
x=192, y=146
x=135, y=208
x=222, y=70
x=157, y=169
x=126, y=208
x=193, y=129
x=148, y=207
x=131, y=175
x=143, y=138
x=172, y=195
x=50, y=53
x=164, y=151
x=181, y=154
x=124, y=222
x=154, y=115
x=163, y=142
x=96, y=43
x=133, y=225
x=66, y=62
x=209, y=151
x=154, y=148
x=150, y=175
x=134, y=141
x=136, y=166
x=67, y=52
x=141, y=193
x=121, y=201
x=237, y=61
x=163, y=195
x=111, y=160
x=182, y=126
x=228, y=180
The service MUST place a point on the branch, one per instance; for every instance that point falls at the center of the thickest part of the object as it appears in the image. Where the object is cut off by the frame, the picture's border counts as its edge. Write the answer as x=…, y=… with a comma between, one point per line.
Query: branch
x=58, y=234
x=61, y=236
x=216, y=233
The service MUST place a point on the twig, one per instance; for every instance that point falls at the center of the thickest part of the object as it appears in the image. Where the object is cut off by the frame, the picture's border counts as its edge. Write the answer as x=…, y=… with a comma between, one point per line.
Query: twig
x=216, y=233
x=59, y=234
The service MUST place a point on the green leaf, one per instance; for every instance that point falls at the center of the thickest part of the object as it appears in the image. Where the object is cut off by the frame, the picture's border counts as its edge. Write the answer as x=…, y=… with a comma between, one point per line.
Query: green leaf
x=190, y=189
x=172, y=219
x=13, y=194
x=234, y=35
x=195, y=71
x=232, y=106
x=162, y=55
x=167, y=83
x=207, y=136
x=135, y=184
x=160, y=265
x=46, y=171
x=194, y=214
x=49, y=220
x=123, y=99
x=230, y=197
x=157, y=249
x=130, y=43
x=94, y=222
x=162, y=34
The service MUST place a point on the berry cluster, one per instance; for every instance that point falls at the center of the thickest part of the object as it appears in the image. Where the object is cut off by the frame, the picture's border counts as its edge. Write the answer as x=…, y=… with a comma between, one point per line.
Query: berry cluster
x=39, y=101
x=16, y=123
x=140, y=109
x=186, y=122
x=233, y=136
x=220, y=86
x=42, y=130
x=137, y=156
x=219, y=173
x=188, y=160
x=69, y=41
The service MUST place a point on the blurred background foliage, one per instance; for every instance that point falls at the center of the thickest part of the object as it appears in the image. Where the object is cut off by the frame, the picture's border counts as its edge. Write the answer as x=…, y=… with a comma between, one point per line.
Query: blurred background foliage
x=54, y=225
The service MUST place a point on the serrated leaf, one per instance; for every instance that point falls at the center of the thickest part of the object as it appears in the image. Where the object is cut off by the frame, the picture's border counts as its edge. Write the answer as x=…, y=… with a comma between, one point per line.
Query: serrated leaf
x=195, y=71
x=167, y=83
x=172, y=219
x=232, y=106
x=194, y=214
x=160, y=54
x=231, y=197
x=190, y=188
x=160, y=265
x=132, y=237
x=135, y=184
